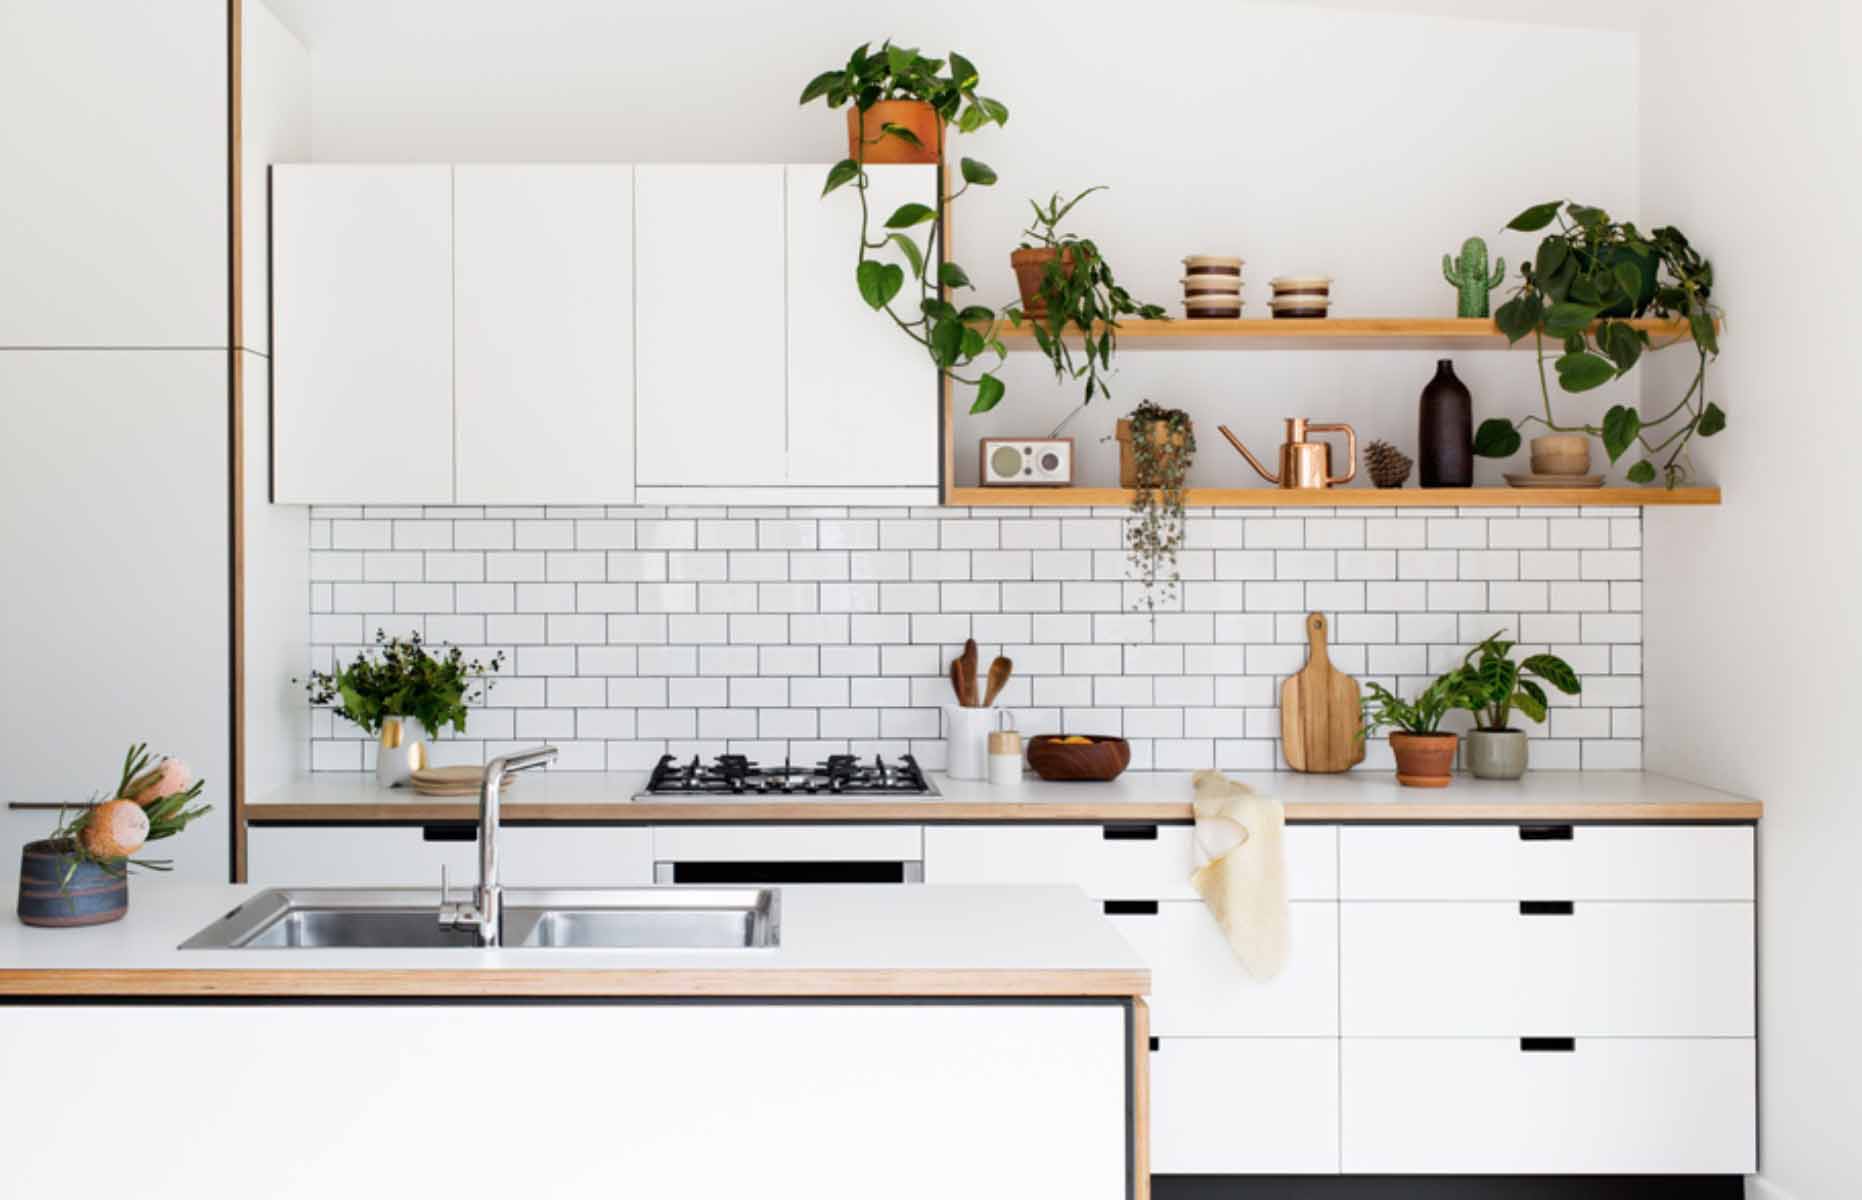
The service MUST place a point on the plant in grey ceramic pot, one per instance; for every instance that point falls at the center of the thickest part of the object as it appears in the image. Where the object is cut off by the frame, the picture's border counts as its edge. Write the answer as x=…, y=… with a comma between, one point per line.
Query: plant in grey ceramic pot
x=1497, y=686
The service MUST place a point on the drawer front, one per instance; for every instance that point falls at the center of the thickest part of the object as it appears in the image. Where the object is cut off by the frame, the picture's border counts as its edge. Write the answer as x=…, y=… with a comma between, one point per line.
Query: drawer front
x=1484, y=1106
x=1112, y=862
x=793, y=843
x=395, y=856
x=588, y=856
x=1546, y=862
x=1508, y=970
x=1244, y=1106
x=1198, y=989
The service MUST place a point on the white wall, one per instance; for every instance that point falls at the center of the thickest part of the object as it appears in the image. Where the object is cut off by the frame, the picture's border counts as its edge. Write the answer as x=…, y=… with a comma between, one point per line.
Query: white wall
x=1307, y=137
x=1752, y=118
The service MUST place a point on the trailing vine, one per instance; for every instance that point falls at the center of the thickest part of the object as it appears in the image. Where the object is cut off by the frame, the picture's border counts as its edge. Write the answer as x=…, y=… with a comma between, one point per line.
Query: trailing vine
x=1154, y=534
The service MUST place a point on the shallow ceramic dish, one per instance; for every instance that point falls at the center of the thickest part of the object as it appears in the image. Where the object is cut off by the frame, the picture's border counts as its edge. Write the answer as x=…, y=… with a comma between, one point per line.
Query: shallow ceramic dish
x=1211, y=285
x=1213, y=306
x=1554, y=481
x=1302, y=285
x=1098, y=761
x=1211, y=264
x=1299, y=306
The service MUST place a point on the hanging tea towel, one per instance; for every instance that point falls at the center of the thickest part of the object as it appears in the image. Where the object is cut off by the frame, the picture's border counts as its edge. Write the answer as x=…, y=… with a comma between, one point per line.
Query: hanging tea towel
x=1241, y=869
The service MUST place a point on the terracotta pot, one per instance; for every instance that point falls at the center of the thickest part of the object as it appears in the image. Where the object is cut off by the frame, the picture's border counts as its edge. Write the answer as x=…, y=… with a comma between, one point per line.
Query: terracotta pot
x=1030, y=266
x=1424, y=759
x=882, y=147
x=1127, y=461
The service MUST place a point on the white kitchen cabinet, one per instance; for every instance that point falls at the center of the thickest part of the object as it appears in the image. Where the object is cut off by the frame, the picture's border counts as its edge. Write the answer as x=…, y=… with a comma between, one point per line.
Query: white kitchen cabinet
x=1546, y=862
x=1244, y=1106
x=709, y=325
x=362, y=296
x=1199, y=989
x=788, y=843
x=1479, y=1106
x=410, y=856
x=1111, y=862
x=543, y=333
x=863, y=399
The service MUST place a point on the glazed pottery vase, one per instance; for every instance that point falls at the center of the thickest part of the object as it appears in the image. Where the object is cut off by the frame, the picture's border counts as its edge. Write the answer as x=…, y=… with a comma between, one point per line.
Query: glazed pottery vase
x=401, y=749
x=1446, y=431
x=1497, y=753
x=883, y=147
x=1424, y=759
x=91, y=896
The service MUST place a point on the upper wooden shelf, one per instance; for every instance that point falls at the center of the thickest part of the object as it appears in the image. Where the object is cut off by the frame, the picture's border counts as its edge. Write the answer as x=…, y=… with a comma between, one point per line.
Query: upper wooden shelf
x=1345, y=497
x=1344, y=333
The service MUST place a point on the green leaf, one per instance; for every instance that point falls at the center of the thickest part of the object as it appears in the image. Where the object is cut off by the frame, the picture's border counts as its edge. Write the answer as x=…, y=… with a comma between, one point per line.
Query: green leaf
x=1530, y=699
x=821, y=84
x=979, y=173
x=899, y=59
x=1588, y=217
x=975, y=312
x=952, y=275
x=1551, y=256
x=989, y=391
x=973, y=119
x=947, y=341
x=1620, y=427
x=1700, y=324
x=908, y=215
x=1565, y=318
x=998, y=112
x=1583, y=371
x=1496, y=438
x=1642, y=472
x=1628, y=278
x=1555, y=671
x=1518, y=316
x=1535, y=218
x=844, y=171
x=962, y=72
x=1621, y=343
x=913, y=255
x=893, y=129
x=972, y=342
x=878, y=282
x=1712, y=420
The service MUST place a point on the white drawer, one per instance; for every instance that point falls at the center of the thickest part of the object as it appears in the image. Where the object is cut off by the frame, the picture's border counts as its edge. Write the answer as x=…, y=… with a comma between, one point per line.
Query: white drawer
x=1484, y=1106
x=1490, y=970
x=1107, y=862
x=576, y=856
x=1244, y=1106
x=1546, y=862
x=788, y=843
x=1198, y=989
x=404, y=856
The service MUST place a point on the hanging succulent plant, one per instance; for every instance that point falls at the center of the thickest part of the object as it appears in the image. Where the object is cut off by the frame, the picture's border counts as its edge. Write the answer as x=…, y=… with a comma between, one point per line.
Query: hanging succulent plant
x=1163, y=445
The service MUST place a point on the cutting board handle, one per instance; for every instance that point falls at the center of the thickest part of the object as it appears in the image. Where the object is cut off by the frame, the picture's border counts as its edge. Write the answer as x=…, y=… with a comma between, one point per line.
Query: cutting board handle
x=1315, y=634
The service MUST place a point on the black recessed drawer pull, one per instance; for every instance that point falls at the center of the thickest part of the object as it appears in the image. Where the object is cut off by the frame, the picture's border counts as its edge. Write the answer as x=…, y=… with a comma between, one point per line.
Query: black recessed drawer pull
x=1547, y=908
x=449, y=833
x=1547, y=1045
x=1546, y=833
x=1129, y=833
x=1153, y=1045
x=743, y=874
x=1131, y=908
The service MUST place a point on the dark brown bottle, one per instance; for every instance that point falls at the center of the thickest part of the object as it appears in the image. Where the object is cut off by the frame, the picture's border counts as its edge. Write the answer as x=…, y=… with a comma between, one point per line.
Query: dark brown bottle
x=1445, y=454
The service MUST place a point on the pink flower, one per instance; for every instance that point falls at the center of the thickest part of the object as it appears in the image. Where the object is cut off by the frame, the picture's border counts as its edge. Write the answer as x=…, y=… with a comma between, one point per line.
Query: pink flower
x=159, y=782
x=116, y=829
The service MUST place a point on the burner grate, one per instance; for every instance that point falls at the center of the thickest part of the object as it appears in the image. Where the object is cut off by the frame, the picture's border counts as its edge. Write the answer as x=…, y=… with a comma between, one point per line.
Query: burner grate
x=838, y=775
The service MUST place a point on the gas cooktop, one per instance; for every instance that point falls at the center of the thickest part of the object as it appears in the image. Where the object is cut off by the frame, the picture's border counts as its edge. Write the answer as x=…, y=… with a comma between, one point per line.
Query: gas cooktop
x=735, y=776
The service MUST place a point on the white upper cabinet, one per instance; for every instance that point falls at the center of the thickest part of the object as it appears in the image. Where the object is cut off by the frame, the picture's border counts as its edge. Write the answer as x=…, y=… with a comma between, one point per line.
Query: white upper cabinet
x=544, y=334
x=362, y=296
x=863, y=397
x=709, y=322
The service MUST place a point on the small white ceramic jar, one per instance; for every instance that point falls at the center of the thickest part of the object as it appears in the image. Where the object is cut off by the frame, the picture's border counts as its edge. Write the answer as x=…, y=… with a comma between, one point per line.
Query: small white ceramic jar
x=1005, y=758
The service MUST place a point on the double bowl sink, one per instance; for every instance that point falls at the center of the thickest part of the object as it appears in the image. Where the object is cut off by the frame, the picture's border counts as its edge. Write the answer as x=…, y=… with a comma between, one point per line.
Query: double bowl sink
x=661, y=918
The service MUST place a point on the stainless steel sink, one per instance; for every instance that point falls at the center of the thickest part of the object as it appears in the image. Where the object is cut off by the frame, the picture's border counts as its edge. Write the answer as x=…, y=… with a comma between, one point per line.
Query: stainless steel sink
x=660, y=918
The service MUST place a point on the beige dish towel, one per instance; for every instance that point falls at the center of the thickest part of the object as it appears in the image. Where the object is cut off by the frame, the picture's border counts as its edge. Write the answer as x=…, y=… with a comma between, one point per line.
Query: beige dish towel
x=1241, y=869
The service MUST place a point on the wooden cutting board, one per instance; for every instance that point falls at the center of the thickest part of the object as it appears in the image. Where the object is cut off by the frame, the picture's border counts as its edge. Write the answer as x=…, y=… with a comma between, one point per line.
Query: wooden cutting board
x=1319, y=711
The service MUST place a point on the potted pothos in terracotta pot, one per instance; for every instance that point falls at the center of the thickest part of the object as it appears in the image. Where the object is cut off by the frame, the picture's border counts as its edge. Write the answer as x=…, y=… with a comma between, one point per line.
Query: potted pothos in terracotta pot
x=1425, y=755
x=902, y=101
x=1496, y=686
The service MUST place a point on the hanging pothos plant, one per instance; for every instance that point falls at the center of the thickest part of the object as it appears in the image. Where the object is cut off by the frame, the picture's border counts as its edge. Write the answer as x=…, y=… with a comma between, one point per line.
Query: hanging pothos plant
x=1163, y=445
x=947, y=332
x=1587, y=278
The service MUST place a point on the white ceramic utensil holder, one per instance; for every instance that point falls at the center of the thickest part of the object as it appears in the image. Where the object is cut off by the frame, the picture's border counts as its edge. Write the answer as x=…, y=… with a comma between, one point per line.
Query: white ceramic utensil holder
x=966, y=739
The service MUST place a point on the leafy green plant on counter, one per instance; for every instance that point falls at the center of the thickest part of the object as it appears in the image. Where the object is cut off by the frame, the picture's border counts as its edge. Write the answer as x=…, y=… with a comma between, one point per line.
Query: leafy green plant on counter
x=1498, y=685
x=946, y=331
x=1587, y=280
x=1384, y=709
x=1080, y=292
x=403, y=680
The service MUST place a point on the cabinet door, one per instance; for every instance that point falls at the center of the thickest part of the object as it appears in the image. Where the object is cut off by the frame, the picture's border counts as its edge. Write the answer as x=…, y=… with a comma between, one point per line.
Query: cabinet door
x=708, y=325
x=576, y=855
x=863, y=397
x=1198, y=989
x=1244, y=1106
x=544, y=333
x=356, y=856
x=362, y=296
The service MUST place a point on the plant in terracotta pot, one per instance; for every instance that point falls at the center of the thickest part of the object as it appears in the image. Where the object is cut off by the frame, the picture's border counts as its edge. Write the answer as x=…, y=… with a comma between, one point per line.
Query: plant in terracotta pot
x=80, y=875
x=1161, y=444
x=902, y=102
x=403, y=696
x=1497, y=686
x=1425, y=755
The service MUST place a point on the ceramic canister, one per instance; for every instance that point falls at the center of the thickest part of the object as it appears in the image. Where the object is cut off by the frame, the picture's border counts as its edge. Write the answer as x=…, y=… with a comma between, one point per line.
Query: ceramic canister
x=1005, y=758
x=966, y=738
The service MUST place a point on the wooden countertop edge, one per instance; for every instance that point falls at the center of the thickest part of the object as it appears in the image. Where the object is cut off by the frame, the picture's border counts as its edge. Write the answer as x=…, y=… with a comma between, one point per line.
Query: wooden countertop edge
x=666, y=983
x=936, y=810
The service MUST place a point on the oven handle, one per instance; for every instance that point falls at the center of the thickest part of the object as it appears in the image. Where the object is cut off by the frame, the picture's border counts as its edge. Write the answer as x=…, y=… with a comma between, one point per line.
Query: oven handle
x=777, y=872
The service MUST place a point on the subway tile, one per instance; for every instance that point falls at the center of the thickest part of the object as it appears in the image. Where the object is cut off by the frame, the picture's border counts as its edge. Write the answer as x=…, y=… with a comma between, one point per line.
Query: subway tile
x=1458, y=533
x=1517, y=533
x=1578, y=533
x=969, y=535
x=1094, y=533
x=1612, y=564
x=667, y=535
x=880, y=565
x=842, y=534
x=1488, y=564
x=1031, y=535
x=1396, y=533
x=544, y=535
x=393, y=566
x=516, y=628
x=786, y=535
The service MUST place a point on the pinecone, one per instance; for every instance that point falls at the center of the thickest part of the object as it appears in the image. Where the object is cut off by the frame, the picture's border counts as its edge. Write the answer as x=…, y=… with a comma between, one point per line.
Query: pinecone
x=1388, y=466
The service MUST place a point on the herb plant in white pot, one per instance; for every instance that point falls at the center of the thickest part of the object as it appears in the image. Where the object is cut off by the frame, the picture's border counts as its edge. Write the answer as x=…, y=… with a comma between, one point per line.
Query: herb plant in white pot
x=1496, y=686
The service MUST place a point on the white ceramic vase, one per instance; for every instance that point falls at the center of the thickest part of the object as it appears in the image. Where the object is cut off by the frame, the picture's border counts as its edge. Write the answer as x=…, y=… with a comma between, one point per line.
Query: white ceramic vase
x=400, y=750
x=966, y=739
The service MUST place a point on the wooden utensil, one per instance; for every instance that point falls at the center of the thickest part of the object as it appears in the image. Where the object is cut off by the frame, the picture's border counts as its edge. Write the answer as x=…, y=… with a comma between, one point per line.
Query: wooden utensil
x=956, y=682
x=1320, y=714
x=999, y=672
x=969, y=673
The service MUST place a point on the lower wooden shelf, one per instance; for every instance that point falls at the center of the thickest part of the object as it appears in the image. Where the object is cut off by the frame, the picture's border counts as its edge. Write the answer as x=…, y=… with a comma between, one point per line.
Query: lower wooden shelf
x=1265, y=497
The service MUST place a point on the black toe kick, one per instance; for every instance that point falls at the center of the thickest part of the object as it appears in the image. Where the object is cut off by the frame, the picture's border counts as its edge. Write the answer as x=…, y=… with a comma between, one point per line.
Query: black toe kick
x=1447, y=1187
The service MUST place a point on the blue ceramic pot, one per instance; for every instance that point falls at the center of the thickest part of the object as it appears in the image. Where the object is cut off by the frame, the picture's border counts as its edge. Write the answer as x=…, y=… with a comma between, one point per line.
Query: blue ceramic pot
x=92, y=896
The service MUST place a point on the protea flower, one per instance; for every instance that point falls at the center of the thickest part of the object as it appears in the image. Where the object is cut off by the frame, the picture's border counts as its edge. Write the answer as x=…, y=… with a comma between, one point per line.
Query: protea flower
x=158, y=782
x=116, y=829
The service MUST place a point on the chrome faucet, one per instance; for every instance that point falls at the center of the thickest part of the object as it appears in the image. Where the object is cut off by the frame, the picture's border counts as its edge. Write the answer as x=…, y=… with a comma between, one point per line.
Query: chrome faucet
x=485, y=911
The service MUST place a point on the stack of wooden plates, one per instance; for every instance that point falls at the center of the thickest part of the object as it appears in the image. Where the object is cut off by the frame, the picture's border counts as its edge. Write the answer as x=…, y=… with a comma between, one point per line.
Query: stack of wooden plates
x=452, y=781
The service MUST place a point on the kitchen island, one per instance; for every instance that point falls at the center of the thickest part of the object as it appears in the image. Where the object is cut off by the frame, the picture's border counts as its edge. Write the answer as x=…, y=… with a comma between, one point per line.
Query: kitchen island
x=912, y=1041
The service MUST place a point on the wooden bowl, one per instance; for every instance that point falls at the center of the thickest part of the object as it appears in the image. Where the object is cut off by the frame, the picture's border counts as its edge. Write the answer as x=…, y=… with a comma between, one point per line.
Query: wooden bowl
x=1104, y=759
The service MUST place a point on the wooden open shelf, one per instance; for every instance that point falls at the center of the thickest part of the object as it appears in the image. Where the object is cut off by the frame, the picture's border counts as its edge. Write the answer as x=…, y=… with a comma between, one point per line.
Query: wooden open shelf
x=1346, y=497
x=1344, y=333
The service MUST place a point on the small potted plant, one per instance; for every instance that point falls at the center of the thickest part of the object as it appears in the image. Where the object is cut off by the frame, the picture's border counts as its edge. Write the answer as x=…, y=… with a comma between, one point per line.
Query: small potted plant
x=1159, y=444
x=1425, y=755
x=1496, y=686
x=902, y=101
x=80, y=875
x=404, y=697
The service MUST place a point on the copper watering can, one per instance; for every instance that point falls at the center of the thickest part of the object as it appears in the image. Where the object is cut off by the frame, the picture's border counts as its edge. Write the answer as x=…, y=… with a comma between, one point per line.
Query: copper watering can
x=1305, y=463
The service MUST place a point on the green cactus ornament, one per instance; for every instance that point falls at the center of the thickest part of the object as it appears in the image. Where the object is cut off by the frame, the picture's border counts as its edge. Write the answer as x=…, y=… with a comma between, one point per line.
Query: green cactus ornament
x=1471, y=278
